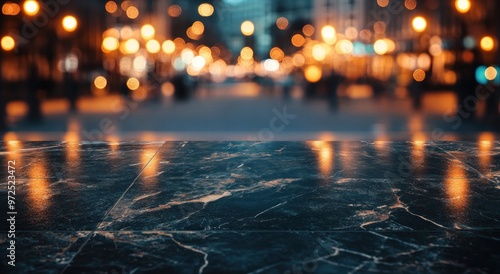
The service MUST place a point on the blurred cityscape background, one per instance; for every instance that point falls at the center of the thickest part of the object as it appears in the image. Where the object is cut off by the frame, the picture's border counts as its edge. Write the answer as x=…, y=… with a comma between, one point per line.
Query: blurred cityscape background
x=250, y=70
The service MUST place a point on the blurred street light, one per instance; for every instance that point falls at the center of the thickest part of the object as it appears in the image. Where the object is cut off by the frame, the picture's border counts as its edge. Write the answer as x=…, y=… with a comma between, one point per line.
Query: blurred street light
x=381, y=47
x=110, y=44
x=463, y=6
x=419, y=24
x=247, y=28
x=205, y=10
x=487, y=43
x=31, y=7
x=131, y=46
x=133, y=83
x=100, y=82
x=328, y=34
x=168, y=47
x=153, y=46
x=8, y=43
x=148, y=32
x=69, y=23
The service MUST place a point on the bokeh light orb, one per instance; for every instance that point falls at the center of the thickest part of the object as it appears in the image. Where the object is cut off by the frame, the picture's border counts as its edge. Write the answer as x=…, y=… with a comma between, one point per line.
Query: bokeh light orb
x=8, y=43
x=247, y=28
x=313, y=74
x=419, y=75
x=69, y=23
x=463, y=6
x=491, y=73
x=31, y=7
x=206, y=9
x=133, y=83
x=487, y=43
x=100, y=82
x=110, y=44
x=419, y=24
x=168, y=47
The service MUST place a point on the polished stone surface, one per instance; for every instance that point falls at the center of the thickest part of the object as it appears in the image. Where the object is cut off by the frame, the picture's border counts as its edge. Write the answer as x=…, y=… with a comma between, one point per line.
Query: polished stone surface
x=248, y=207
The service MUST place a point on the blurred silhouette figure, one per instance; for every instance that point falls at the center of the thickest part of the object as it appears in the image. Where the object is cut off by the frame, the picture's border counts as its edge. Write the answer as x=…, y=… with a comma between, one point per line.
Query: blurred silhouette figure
x=181, y=92
x=466, y=69
x=416, y=90
x=71, y=87
x=310, y=89
x=332, y=84
x=33, y=99
x=288, y=84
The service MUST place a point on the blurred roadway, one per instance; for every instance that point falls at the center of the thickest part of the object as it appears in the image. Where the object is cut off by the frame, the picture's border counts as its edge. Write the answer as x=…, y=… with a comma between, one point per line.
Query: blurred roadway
x=242, y=112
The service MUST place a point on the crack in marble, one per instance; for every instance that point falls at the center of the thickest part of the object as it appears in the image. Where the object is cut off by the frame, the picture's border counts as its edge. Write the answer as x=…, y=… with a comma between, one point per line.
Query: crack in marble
x=465, y=164
x=271, y=208
x=205, y=254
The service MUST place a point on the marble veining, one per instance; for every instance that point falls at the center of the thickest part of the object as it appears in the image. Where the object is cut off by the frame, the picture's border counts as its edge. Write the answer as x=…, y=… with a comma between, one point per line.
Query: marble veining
x=251, y=207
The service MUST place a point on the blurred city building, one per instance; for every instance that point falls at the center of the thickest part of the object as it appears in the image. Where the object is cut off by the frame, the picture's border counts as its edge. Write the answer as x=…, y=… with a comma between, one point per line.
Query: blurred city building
x=326, y=48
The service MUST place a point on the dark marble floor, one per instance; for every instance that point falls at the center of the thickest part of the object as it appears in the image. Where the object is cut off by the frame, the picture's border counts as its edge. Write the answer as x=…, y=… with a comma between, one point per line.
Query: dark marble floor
x=244, y=207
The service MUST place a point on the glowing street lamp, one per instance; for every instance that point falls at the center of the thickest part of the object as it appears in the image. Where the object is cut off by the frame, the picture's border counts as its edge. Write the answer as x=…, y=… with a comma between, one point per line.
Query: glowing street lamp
x=419, y=24
x=69, y=23
x=463, y=6
x=247, y=28
x=148, y=32
x=328, y=34
x=487, y=43
x=31, y=7
x=8, y=43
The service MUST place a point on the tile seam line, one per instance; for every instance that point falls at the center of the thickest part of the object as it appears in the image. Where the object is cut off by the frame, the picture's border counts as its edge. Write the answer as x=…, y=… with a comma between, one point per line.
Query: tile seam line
x=259, y=230
x=109, y=211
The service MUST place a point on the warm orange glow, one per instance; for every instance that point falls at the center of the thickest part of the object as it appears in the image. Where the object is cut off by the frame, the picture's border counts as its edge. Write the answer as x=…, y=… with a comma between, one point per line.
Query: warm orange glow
x=324, y=152
x=486, y=143
x=148, y=32
x=487, y=43
x=100, y=82
x=69, y=23
x=313, y=74
x=8, y=43
x=457, y=187
x=31, y=7
x=383, y=3
x=328, y=34
x=153, y=46
x=410, y=4
x=150, y=165
x=282, y=23
x=174, y=11
x=247, y=28
x=198, y=28
x=246, y=53
x=110, y=44
x=419, y=75
x=132, y=12
x=308, y=30
x=319, y=52
x=491, y=73
x=419, y=24
x=298, y=40
x=381, y=47
x=131, y=46
x=11, y=9
x=168, y=47
x=39, y=188
x=463, y=6
x=277, y=54
x=205, y=10
x=344, y=46
x=133, y=83
x=111, y=6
